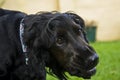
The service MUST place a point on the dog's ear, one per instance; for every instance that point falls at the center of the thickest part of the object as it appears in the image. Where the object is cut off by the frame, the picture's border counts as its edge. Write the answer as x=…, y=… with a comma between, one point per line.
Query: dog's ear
x=38, y=31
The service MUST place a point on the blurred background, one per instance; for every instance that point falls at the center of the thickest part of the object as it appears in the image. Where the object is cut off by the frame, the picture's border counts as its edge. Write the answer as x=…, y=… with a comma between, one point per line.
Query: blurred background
x=102, y=19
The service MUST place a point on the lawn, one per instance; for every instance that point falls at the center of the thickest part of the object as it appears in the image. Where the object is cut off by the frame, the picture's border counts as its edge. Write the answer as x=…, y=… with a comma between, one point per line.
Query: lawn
x=109, y=64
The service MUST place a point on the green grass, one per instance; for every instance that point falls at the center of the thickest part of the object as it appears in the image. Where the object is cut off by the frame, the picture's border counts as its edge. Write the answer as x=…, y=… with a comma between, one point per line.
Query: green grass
x=109, y=64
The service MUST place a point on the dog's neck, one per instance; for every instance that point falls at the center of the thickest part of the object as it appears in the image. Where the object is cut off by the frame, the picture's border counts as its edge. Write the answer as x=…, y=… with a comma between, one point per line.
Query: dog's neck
x=24, y=47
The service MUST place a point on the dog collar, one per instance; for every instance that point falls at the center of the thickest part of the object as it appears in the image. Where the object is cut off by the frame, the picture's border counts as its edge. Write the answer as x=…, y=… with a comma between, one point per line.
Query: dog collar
x=24, y=47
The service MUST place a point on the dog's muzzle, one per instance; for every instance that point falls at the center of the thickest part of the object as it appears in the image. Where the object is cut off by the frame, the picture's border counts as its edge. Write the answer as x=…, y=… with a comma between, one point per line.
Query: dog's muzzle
x=84, y=64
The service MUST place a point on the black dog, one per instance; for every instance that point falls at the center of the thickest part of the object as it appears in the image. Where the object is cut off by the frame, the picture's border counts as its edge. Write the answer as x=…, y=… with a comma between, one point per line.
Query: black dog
x=29, y=43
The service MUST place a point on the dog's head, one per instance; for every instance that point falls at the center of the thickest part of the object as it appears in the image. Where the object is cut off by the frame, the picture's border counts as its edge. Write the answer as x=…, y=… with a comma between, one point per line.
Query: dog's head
x=62, y=36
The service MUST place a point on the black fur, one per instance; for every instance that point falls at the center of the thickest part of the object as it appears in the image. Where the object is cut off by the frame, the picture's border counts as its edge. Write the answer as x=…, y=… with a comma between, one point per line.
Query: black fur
x=54, y=40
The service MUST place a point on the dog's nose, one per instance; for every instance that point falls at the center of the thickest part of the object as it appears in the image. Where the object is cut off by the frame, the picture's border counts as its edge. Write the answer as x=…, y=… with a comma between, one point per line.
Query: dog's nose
x=92, y=61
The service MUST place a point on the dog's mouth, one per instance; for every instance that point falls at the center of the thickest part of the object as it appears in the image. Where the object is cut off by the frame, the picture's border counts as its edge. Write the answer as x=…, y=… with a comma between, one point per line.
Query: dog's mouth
x=86, y=74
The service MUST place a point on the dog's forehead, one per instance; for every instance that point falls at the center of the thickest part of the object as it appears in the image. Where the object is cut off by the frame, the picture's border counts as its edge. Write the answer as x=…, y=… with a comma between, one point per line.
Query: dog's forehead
x=63, y=27
x=67, y=25
x=66, y=21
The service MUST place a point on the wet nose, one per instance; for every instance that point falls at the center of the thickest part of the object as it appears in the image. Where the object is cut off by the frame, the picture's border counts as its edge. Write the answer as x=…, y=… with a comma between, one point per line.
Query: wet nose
x=92, y=61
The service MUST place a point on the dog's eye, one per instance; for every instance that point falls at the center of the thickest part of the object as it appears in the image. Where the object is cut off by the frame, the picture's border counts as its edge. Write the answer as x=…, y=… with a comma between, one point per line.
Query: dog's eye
x=78, y=31
x=60, y=41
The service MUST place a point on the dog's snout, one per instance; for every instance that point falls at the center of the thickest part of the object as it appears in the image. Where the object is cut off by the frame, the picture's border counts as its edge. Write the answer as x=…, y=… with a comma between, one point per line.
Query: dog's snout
x=92, y=61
